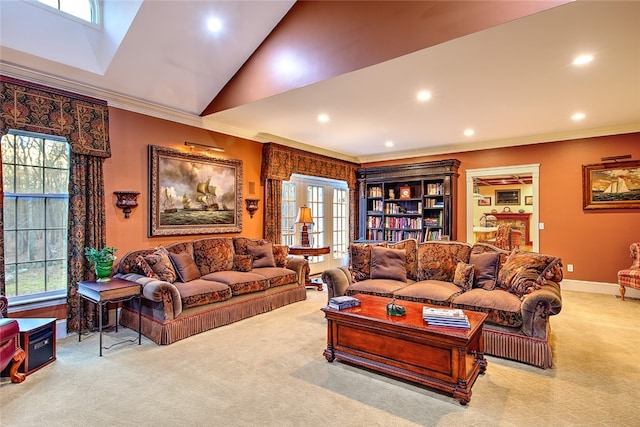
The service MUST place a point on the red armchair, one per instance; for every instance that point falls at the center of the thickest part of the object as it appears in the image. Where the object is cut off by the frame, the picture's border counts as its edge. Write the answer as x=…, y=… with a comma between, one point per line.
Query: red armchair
x=10, y=350
x=631, y=276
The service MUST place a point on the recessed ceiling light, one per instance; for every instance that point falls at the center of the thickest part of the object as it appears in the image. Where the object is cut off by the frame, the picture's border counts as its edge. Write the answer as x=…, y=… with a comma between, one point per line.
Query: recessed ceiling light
x=423, y=95
x=469, y=132
x=214, y=25
x=388, y=144
x=578, y=116
x=583, y=59
x=323, y=118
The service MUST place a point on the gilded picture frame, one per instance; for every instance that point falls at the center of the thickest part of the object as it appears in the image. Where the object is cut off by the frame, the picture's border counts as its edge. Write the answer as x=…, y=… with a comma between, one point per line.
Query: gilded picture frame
x=507, y=197
x=614, y=185
x=193, y=193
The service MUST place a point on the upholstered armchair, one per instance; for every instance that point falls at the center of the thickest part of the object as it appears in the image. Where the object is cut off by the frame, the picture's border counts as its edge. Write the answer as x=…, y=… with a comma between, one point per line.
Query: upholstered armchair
x=631, y=276
x=10, y=351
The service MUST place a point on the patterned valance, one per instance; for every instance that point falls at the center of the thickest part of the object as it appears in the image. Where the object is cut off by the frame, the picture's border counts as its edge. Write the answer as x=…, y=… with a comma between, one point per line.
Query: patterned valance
x=279, y=162
x=34, y=108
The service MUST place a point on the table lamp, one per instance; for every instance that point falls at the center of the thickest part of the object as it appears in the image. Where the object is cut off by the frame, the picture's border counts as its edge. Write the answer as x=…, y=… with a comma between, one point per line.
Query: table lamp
x=304, y=218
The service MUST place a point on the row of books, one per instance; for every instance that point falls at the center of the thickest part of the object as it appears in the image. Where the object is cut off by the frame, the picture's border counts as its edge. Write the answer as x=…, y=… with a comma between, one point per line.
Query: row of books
x=343, y=302
x=452, y=317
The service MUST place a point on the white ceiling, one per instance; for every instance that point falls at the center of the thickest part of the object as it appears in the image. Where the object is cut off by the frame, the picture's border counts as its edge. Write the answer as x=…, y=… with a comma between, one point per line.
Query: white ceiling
x=513, y=84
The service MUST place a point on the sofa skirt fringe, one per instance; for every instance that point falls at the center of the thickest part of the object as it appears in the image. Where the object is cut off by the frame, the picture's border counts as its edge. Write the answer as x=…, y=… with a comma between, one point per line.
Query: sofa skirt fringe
x=533, y=351
x=184, y=327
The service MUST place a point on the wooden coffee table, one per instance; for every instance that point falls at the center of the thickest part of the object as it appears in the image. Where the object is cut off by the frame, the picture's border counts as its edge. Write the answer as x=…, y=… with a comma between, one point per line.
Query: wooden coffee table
x=447, y=359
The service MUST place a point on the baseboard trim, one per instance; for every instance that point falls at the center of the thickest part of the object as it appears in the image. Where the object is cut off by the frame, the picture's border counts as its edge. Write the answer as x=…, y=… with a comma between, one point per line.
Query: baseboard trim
x=597, y=288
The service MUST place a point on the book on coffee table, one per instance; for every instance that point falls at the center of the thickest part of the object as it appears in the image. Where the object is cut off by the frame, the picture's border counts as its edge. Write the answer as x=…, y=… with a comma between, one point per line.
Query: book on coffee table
x=342, y=302
x=445, y=317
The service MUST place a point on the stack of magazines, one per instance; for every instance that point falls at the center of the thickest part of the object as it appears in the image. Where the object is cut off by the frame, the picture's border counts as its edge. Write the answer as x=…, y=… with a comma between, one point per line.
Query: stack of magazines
x=340, y=303
x=445, y=317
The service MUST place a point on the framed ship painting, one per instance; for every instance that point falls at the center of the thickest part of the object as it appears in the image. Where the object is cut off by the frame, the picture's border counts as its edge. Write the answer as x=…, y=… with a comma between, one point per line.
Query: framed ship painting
x=193, y=193
x=614, y=185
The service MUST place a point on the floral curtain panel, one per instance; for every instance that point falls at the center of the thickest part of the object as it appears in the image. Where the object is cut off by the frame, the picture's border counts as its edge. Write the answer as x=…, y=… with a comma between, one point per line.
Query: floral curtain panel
x=279, y=162
x=84, y=122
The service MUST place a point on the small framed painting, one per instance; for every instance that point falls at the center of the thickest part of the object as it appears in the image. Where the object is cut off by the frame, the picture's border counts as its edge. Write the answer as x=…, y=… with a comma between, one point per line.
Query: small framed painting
x=486, y=201
x=528, y=200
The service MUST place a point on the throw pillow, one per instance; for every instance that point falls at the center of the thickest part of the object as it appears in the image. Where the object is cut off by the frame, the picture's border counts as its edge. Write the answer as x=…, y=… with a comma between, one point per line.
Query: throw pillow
x=281, y=255
x=463, y=277
x=524, y=272
x=242, y=262
x=388, y=264
x=185, y=266
x=145, y=267
x=485, y=266
x=262, y=255
x=360, y=260
x=161, y=265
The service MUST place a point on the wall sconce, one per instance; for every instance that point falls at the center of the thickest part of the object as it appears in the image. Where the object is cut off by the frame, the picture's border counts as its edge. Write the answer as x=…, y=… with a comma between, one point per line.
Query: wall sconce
x=304, y=218
x=252, y=206
x=194, y=145
x=126, y=201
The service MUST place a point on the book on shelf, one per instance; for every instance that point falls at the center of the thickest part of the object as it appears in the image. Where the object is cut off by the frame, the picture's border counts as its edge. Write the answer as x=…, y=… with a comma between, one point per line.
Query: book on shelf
x=342, y=302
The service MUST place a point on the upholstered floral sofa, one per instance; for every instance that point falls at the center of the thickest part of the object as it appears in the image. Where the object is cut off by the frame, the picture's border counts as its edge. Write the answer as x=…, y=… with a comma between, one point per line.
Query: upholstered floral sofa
x=518, y=290
x=191, y=287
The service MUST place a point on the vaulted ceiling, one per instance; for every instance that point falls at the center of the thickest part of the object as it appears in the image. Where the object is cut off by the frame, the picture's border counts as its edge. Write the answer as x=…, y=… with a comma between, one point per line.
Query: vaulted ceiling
x=503, y=69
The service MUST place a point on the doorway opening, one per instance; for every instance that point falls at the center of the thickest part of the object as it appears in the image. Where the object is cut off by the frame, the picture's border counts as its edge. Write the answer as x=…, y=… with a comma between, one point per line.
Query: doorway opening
x=508, y=192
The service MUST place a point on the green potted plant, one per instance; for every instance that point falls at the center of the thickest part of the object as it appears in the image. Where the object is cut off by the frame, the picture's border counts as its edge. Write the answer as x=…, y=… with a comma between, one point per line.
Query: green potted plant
x=102, y=261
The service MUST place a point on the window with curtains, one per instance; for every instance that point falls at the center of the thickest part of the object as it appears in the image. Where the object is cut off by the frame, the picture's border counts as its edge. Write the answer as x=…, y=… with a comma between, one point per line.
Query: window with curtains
x=328, y=200
x=36, y=203
x=85, y=10
x=289, y=213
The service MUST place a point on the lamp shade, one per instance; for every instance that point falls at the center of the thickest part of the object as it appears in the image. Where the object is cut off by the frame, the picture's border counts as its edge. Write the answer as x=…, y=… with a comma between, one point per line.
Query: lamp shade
x=304, y=216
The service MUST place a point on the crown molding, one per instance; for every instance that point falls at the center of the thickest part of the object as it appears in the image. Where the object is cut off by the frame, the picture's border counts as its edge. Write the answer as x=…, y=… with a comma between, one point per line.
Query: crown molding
x=508, y=142
x=113, y=99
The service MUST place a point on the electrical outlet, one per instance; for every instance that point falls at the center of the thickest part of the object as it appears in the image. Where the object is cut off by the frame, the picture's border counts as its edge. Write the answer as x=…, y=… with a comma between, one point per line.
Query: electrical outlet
x=541, y=226
x=570, y=268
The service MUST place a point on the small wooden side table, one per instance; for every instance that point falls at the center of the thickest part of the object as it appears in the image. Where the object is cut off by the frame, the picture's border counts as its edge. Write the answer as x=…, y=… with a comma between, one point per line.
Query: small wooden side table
x=101, y=293
x=308, y=251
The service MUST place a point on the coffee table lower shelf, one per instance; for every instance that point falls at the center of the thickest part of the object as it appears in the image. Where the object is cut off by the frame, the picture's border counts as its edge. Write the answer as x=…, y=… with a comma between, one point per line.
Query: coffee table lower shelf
x=446, y=359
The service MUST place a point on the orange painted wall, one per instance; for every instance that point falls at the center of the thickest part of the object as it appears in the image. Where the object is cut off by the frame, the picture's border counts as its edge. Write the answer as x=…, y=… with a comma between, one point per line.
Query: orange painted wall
x=595, y=242
x=130, y=135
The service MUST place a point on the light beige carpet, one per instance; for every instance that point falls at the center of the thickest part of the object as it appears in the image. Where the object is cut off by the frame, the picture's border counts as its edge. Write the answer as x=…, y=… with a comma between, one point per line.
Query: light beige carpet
x=269, y=371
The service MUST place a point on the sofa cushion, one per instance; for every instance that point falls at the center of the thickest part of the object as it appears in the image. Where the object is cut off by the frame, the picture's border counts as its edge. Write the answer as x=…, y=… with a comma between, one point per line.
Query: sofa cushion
x=242, y=262
x=200, y=292
x=436, y=292
x=388, y=264
x=438, y=260
x=262, y=255
x=410, y=247
x=524, y=272
x=360, y=260
x=161, y=265
x=485, y=266
x=144, y=266
x=463, y=277
x=277, y=276
x=502, y=307
x=280, y=252
x=213, y=254
x=185, y=266
x=239, y=282
x=379, y=287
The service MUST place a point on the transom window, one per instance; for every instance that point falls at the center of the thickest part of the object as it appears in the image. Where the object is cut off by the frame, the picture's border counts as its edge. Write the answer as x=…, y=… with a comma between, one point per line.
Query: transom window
x=86, y=10
x=35, y=173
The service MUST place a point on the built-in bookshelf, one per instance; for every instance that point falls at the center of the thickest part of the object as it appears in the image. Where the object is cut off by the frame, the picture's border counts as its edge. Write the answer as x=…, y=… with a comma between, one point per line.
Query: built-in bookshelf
x=408, y=201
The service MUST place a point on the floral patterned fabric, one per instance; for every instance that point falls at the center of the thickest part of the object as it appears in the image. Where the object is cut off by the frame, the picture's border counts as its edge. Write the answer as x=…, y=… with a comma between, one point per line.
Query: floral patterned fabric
x=360, y=260
x=161, y=265
x=438, y=260
x=281, y=255
x=524, y=272
x=434, y=292
x=239, y=282
x=280, y=252
x=242, y=262
x=213, y=254
x=463, y=277
x=146, y=269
